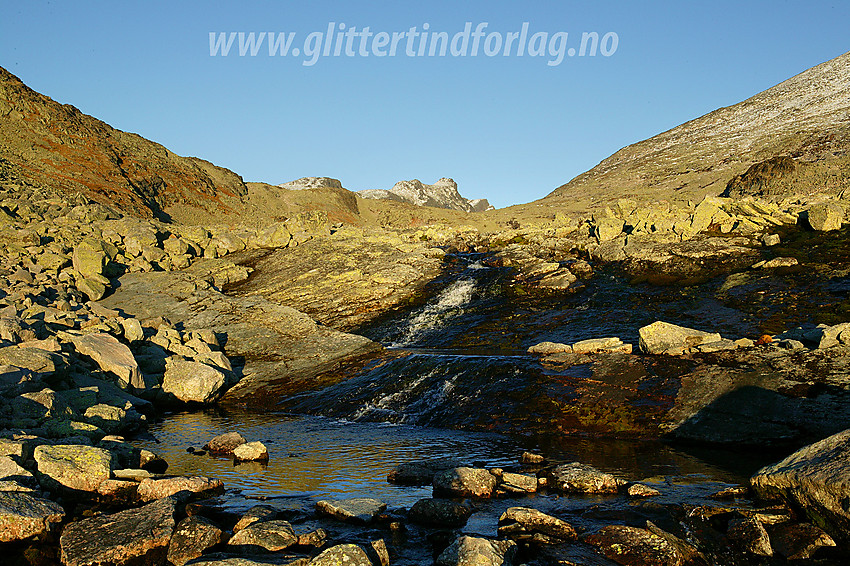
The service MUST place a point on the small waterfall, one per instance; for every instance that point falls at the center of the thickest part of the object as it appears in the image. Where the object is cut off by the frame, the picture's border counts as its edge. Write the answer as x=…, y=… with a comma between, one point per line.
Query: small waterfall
x=448, y=305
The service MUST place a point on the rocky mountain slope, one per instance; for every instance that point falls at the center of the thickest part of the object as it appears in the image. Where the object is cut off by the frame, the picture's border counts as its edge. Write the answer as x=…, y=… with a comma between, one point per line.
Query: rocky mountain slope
x=442, y=194
x=55, y=144
x=805, y=118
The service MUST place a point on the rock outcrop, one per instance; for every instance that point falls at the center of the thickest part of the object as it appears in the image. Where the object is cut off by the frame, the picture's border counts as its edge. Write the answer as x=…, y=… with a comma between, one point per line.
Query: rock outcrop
x=442, y=194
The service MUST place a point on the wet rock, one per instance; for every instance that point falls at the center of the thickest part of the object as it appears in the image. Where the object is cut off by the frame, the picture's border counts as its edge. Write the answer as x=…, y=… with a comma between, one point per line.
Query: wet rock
x=529, y=458
x=464, y=482
x=270, y=536
x=251, y=452
x=632, y=546
x=548, y=348
x=597, y=345
x=530, y=525
x=225, y=443
x=192, y=382
x=799, y=541
x=640, y=490
x=581, y=478
x=134, y=536
x=348, y=554
x=191, y=538
x=472, y=551
x=750, y=537
x=421, y=472
x=23, y=515
x=815, y=479
x=665, y=338
x=439, y=513
x=151, y=489
x=734, y=492
x=112, y=356
x=825, y=217
x=75, y=468
x=518, y=483
x=316, y=539
x=357, y=510
x=255, y=514
x=776, y=263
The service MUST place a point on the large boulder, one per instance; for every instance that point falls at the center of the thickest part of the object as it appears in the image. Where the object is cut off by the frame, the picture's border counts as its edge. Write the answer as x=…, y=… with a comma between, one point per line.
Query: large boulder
x=665, y=338
x=75, y=468
x=581, y=478
x=473, y=551
x=465, y=482
x=134, y=536
x=151, y=489
x=825, y=216
x=191, y=538
x=348, y=554
x=271, y=536
x=816, y=479
x=524, y=524
x=112, y=356
x=23, y=515
x=225, y=443
x=439, y=513
x=421, y=472
x=632, y=546
x=192, y=382
x=91, y=257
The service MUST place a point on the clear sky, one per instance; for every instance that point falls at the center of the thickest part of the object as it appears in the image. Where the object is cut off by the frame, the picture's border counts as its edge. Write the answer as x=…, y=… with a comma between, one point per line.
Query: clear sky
x=508, y=128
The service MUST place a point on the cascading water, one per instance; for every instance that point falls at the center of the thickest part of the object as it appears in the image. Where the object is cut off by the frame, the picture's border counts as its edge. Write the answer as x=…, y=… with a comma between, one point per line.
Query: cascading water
x=448, y=306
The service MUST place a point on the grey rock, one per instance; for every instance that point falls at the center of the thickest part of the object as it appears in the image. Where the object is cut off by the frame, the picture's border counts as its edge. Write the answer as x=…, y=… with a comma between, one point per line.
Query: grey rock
x=356, y=510
x=421, y=472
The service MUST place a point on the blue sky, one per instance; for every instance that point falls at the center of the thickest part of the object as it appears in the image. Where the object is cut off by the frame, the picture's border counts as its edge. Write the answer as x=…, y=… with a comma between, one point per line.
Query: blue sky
x=506, y=128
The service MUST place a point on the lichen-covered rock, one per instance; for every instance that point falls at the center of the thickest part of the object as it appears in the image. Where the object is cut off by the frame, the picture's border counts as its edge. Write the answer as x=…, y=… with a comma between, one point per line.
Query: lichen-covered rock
x=816, y=479
x=23, y=515
x=632, y=546
x=77, y=468
x=439, y=513
x=665, y=338
x=251, y=452
x=191, y=538
x=465, y=482
x=348, y=554
x=151, y=489
x=134, y=536
x=473, y=551
x=359, y=510
x=112, y=356
x=272, y=536
x=531, y=525
x=581, y=478
x=825, y=216
x=192, y=382
x=225, y=443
